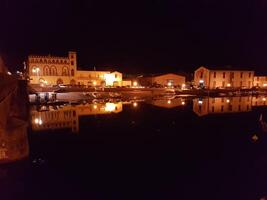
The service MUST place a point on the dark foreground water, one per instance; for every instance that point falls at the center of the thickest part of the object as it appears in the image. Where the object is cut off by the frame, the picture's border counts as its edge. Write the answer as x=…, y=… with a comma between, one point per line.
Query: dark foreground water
x=212, y=148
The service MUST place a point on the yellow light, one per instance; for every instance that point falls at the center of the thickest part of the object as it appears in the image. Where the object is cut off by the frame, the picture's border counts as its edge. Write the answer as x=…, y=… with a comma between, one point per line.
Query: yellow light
x=33, y=70
x=110, y=107
x=37, y=69
x=169, y=101
x=183, y=103
x=200, y=102
x=40, y=122
x=228, y=84
x=227, y=100
x=135, y=104
x=169, y=83
x=265, y=84
x=264, y=99
x=201, y=81
x=42, y=85
x=135, y=83
x=95, y=106
x=45, y=82
x=183, y=85
x=109, y=78
x=36, y=121
x=94, y=82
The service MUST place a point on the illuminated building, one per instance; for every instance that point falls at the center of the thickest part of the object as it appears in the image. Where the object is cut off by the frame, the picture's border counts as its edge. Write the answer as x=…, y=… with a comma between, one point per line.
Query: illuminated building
x=51, y=70
x=213, y=78
x=167, y=80
x=68, y=116
x=260, y=81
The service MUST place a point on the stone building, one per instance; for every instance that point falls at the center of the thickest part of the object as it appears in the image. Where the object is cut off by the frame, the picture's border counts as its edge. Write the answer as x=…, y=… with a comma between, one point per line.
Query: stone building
x=260, y=81
x=51, y=70
x=164, y=80
x=225, y=78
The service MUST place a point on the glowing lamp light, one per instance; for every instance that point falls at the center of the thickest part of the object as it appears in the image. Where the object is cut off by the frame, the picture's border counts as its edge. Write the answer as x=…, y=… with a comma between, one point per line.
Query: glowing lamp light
x=227, y=100
x=228, y=84
x=169, y=83
x=109, y=78
x=45, y=82
x=264, y=99
x=94, y=82
x=265, y=84
x=135, y=83
x=201, y=81
x=169, y=102
x=135, y=104
x=183, y=103
x=95, y=106
x=110, y=107
x=36, y=121
x=9, y=73
x=200, y=102
x=33, y=70
x=183, y=85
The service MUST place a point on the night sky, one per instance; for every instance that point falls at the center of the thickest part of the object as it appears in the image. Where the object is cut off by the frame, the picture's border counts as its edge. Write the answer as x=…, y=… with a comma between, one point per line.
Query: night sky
x=138, y=36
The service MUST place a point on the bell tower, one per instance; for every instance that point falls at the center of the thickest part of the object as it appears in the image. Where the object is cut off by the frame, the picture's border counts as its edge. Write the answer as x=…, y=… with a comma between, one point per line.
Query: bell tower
x=73, y=63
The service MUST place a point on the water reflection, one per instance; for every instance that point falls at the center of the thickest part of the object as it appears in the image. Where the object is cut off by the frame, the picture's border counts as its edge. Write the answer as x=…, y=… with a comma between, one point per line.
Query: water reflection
x=169, y=102
x=216, y=105
x=67, y=116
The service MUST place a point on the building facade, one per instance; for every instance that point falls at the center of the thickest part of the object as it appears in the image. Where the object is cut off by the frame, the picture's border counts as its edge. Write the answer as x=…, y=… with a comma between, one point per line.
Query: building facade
x=212, y=79
x=260, y=81
x=51, y=70
x=165, y=80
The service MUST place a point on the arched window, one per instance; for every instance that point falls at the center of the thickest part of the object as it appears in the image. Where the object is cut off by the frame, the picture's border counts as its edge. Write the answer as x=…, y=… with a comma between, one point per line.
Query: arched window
x=46, y=71
x=53, y=71
x=72, y=82
x=65, y=71
x=59, y=81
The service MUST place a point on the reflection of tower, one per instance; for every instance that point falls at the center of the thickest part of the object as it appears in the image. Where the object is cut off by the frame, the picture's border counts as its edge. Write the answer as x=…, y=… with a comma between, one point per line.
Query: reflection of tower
x=73, y=63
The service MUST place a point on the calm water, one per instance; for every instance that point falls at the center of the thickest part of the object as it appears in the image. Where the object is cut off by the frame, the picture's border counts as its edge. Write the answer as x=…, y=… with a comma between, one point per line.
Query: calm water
x=210, y=148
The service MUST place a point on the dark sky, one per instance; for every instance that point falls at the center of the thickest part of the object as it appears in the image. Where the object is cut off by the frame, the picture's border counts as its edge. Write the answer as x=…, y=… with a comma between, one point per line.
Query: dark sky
x=138, y=36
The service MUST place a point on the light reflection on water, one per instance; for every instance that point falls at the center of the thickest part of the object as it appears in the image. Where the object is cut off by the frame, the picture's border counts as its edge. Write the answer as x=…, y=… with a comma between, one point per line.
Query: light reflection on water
x=67, y=116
